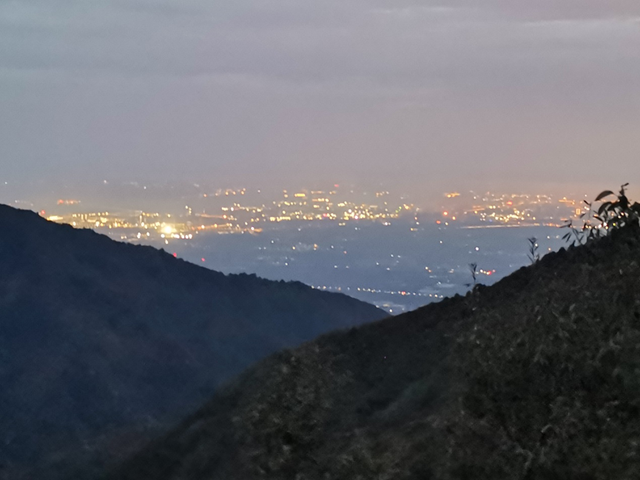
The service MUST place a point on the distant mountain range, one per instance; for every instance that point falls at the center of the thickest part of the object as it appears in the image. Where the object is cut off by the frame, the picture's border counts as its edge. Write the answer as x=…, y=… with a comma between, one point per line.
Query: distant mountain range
x=102, y=343
x=533, y=378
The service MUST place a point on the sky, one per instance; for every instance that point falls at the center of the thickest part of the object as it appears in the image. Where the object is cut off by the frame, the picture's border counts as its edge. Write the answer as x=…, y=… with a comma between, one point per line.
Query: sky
x=432, y=95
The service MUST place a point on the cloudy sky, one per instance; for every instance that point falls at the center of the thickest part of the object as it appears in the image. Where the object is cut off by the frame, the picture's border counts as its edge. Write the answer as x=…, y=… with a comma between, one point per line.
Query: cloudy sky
x=433, y=93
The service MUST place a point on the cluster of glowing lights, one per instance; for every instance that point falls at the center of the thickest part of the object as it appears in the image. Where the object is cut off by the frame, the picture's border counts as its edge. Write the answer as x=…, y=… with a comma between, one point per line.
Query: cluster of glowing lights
x=403, y=293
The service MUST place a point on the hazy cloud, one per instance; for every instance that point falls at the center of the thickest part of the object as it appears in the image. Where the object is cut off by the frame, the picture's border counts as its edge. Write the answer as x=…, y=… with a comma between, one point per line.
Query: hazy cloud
x=501, y=89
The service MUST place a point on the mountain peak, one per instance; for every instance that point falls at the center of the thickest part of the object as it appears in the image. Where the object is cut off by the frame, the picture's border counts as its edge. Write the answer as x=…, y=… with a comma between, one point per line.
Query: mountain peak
x=534, y=377
x=101, y=340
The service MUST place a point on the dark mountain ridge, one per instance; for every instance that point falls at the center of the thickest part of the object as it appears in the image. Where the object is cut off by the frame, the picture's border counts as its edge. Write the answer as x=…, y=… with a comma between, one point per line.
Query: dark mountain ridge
x=98, y=338
x=535, y=377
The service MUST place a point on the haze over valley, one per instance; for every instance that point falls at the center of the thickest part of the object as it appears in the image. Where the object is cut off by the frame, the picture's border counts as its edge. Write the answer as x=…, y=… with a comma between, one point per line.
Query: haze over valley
x=372, y=244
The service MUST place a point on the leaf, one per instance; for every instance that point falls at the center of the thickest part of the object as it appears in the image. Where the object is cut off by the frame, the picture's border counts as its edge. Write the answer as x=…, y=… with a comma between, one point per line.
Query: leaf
x=604, y=207
x=606, y=193
x=623, y=202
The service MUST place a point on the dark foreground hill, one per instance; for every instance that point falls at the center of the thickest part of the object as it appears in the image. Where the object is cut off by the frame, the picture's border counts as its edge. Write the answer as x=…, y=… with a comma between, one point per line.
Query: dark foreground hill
x=536, y=377
x=101, y=340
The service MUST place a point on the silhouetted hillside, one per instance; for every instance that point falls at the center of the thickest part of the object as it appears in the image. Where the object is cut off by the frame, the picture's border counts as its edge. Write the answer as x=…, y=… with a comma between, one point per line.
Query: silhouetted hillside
x=101, y=341
x=535, y=377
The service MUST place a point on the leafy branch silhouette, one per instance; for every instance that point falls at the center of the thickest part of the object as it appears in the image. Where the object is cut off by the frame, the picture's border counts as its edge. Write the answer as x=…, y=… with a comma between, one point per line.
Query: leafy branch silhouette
x=611, y=215
x=533, y=254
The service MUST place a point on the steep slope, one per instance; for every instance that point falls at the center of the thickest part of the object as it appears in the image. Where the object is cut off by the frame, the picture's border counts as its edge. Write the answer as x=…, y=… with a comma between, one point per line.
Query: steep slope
x=535, y=377
x=98, y=337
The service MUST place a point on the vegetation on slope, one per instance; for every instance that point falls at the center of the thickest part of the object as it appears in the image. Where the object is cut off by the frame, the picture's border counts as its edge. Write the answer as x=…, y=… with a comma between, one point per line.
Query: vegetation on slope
x=535, y=377
x=100, y=340
x=552, y=388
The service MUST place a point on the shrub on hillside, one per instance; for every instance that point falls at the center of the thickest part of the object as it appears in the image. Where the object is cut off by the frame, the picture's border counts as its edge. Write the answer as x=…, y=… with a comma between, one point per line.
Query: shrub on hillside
x=610, y=215
x=553, y=386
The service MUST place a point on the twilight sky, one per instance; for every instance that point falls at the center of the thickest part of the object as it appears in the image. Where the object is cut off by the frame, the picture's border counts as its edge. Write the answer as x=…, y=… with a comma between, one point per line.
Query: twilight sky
x=441, y=94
